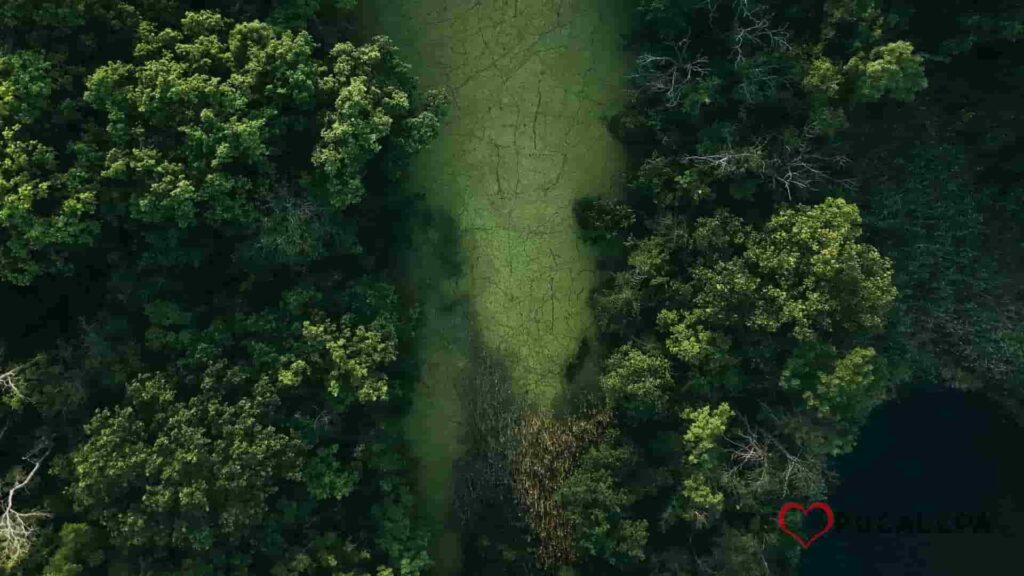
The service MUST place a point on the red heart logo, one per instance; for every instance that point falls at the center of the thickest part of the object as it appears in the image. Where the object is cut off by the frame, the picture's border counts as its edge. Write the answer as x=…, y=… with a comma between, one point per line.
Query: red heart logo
x=829, y=520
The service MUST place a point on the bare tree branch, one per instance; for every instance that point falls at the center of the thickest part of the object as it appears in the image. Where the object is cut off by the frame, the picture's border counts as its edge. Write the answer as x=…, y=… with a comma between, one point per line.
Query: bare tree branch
x=752, y=27
x=753, y=452
x=17, y=529
x=9, y=382
x=731, y=160
x=741, y=7
x=799, y=168
x=789, y=167
x=669, y=75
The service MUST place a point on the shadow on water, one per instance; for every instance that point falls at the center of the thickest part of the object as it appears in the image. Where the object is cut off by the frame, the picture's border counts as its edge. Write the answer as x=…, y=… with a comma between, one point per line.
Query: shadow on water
x=495, y=531
x=935, y=487
x=430, y=267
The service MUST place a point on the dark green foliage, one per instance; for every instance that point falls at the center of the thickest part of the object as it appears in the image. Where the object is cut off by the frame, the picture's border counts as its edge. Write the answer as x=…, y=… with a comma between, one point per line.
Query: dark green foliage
x=219, y=465
x=225, y=403
x=44, y=213
x=637, y=382
x=600, y=219
x=203, y=358
x=804, y=241
x=240, y=133
x=954, y=240
x=196, y=477
x=595, y=506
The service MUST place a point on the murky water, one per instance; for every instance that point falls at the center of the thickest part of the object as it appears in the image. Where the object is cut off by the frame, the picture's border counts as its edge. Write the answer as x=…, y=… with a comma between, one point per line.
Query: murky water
x=935, y=487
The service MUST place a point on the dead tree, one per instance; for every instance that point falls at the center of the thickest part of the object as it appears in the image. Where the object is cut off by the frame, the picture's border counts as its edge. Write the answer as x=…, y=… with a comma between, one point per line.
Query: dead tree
x=759, y=74
x=751, y=456
x=796, y=167
x=9, y=382
x=788, y=167
x=805, y=470
x=763, y=463
x=753, y=27
x=17, y=529
x=668, y=76
x=742, y=7
x=732, y=161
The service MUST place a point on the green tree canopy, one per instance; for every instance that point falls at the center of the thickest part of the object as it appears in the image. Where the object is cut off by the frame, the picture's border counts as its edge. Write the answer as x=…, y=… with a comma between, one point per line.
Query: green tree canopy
x=230, y=383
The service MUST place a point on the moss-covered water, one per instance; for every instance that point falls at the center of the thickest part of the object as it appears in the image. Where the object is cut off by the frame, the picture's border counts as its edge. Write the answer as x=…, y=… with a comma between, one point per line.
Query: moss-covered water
x=532, y=83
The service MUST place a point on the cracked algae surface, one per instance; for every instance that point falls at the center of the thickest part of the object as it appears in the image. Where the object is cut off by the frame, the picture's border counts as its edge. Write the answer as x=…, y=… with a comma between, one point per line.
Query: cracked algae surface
x=532, y=83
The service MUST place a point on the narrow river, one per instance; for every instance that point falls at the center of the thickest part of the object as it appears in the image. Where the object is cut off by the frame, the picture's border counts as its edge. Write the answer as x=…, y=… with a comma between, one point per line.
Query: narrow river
x=498, y=266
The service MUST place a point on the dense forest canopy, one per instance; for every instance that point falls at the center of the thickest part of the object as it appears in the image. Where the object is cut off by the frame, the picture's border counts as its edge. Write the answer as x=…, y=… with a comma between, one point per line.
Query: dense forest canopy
x=201, y=336
x=825, y=212
x=204, y=355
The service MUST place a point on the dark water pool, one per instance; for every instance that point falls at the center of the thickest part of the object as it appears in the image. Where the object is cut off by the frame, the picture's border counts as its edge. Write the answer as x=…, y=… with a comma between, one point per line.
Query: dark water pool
x=935, y=487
